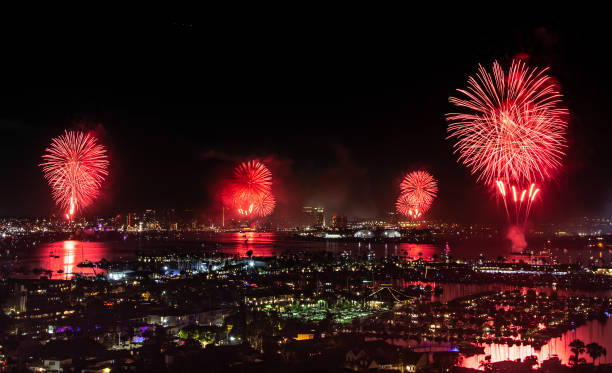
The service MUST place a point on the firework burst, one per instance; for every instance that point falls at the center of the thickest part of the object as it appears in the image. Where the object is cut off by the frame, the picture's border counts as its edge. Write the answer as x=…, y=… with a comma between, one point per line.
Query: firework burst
x=251, y=190
x=408, y=207
x=264, y=205
x=417, y=192
x=421, y=186
x=511, y=133
x=75, y=165
x=252, y=178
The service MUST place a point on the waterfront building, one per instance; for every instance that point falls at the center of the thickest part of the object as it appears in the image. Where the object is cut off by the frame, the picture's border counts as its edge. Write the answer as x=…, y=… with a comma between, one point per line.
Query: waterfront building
x=314, y=217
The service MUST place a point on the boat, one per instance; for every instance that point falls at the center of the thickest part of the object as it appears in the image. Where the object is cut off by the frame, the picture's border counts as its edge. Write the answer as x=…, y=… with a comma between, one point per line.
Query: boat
x=85, y=264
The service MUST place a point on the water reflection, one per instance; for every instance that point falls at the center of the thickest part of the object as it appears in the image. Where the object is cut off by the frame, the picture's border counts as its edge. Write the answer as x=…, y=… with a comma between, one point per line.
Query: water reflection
x=272, y=244
x=68, y=258
x=417, y=251
x=66, y=255
x=457, y=290
x=60, y=259
x=592, y=331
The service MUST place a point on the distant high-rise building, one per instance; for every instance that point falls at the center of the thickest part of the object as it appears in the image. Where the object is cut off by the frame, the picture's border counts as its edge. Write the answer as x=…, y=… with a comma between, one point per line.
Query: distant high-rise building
x=149, y=215
x=319, y=217
x=314, y=217
x=188, y=219
x=338, y=222
x=393, y=217
x=168, y=220
x=149, y=219
x=132, y=219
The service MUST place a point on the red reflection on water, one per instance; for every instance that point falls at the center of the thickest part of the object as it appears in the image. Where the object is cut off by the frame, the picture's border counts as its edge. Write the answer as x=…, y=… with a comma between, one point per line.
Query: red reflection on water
x=272, y=244
x=261, y=243
x=457, y=290
x=62, y=258
x=593, y=331
x=68, y=255
x=418, y=251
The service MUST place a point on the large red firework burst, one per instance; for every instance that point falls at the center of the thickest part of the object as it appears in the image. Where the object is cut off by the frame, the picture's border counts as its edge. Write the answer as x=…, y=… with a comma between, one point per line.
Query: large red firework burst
x=417, y=192
x=75, y=165
x=251, y=190
x=514, y=126
x=407, y=206
x=421, y=186
x=511, y=133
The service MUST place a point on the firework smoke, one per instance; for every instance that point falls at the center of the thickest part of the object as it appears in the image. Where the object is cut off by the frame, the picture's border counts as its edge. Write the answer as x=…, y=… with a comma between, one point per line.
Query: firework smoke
x=517, y=238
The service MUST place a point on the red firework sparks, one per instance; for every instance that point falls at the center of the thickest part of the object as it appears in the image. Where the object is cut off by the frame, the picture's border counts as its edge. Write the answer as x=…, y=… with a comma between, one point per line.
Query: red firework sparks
x=75, y=166
x=418, y=190
x=252, y=190
x=264, y=205
x=406, y=206
x=512, y=132
x=421, y=186
x=514, y=125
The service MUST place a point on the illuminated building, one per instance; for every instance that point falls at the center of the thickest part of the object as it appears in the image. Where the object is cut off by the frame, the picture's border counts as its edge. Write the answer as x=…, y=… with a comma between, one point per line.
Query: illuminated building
x=393, y=217
x=149, y=220
x=188, y=219
x=168, y=220
x=314, y=216
x=338, y=222
x=364, y=233
x=391, y=233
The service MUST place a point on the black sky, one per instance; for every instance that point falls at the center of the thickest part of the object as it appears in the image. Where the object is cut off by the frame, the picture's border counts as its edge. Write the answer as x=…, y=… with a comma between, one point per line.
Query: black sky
x=338, y=112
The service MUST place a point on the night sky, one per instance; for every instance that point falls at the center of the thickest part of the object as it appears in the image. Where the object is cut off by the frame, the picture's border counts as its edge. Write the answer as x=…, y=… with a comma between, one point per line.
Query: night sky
x=338, y=113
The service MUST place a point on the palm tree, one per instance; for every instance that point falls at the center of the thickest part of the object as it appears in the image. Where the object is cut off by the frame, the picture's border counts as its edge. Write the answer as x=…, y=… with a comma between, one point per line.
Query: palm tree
x=595, y=351
x=577, y=347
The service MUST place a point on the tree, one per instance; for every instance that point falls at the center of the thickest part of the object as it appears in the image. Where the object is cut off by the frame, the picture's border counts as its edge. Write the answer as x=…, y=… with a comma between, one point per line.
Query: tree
x=327, y=324
x=577, y=347
x=445, y=362
x=595, y=351
x=203, y=334
x=356, y=324
x=552, y=365
x=530, y=361
x=486, y=364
